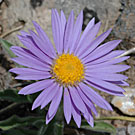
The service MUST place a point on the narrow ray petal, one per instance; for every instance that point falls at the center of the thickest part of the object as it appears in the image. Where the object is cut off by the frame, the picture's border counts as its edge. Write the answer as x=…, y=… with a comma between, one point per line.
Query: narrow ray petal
x=48, y=119
x=55, y=101
x=38, y=100
x=28, y=71
x=22, y=52
x=23, y=33
x=110, y=62
x=35, y=87
x=47, y=44
x=85, y=33
x=63, y=22
x=57, y=31
x=30, y=44
x=88, y=27
x=94, y=44
x=69, y=32
x=88, y=39
x=121, y=83
x=107, y=76
x=41, y=45
x=34, y=64
x=109, y=91
x=26, y=54
x=33, y=76
x=67, y=105
x=87, y=101
x=44, y=95
x=50, y=95
x=105, y=84
x=91, y=121
x=104, y=68
x=77, y=32
x=77, y=99
x=96, y=98
x=88, y=116
x=103, y=49
x=105, y=58
x=76, y=115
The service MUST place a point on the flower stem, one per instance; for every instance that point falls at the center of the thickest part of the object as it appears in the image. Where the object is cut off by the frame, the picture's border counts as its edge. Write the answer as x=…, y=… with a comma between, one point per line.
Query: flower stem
x=117, y=118
x=59, y=125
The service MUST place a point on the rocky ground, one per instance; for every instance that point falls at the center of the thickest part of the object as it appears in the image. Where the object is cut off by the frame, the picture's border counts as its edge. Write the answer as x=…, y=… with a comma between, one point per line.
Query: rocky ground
x=116, y=14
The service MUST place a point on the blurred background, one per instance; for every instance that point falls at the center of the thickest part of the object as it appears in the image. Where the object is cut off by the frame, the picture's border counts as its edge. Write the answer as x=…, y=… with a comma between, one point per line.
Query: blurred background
x=16, y=15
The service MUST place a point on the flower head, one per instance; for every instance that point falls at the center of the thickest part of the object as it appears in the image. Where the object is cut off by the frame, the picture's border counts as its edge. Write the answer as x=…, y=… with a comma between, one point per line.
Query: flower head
x=77, y=66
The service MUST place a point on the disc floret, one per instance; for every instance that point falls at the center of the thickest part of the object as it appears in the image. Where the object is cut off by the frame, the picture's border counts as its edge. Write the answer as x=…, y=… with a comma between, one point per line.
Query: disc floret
x=68, y=69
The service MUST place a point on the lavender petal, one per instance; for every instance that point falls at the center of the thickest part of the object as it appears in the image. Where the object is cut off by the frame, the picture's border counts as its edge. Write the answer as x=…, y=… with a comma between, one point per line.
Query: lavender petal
x=67, y=105
x=96, y=98
x=55, y=102
x=105, y=84
x=77, y=32
x=94, y=44
x=35, y=87
x=69, y=32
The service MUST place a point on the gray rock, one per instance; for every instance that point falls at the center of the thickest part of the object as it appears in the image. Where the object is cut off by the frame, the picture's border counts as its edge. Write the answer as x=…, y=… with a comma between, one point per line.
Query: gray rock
x=126, y=104
x=131, y=130
x=121, y=131
x=1, y=1
x=118, y=14
x=23, y=11
x=106, y=11
x=5, y=79
x=125, y=24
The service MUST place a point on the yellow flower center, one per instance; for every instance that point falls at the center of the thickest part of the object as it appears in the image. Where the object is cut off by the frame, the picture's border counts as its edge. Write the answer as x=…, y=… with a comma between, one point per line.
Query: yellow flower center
x=68, y=70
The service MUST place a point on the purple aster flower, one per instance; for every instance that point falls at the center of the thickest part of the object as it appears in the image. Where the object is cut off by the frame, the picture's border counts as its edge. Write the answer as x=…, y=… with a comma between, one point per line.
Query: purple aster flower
x=77, y=66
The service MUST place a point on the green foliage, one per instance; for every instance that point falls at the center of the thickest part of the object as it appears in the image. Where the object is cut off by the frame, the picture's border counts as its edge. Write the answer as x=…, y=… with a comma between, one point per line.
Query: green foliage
x=6, y=45
x=100, y=126
x=54, y=128
x=15, y=121
x=22, y=125
x=30, y=125
x=35, y=125
x=13, y=96
x=20, y=131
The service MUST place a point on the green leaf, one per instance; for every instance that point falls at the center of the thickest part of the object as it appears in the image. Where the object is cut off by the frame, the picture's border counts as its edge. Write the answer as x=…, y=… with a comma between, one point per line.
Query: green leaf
x=55, y=127
x=6, y=45
x=16, y=121
x=100, y=126
x=117, y=118
x=43, y=130
x=59, y=121
x=39, y=123
x=103, y=126
x=50, y=128
x=13, y=96
x=58, y=128
x=20, y=131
